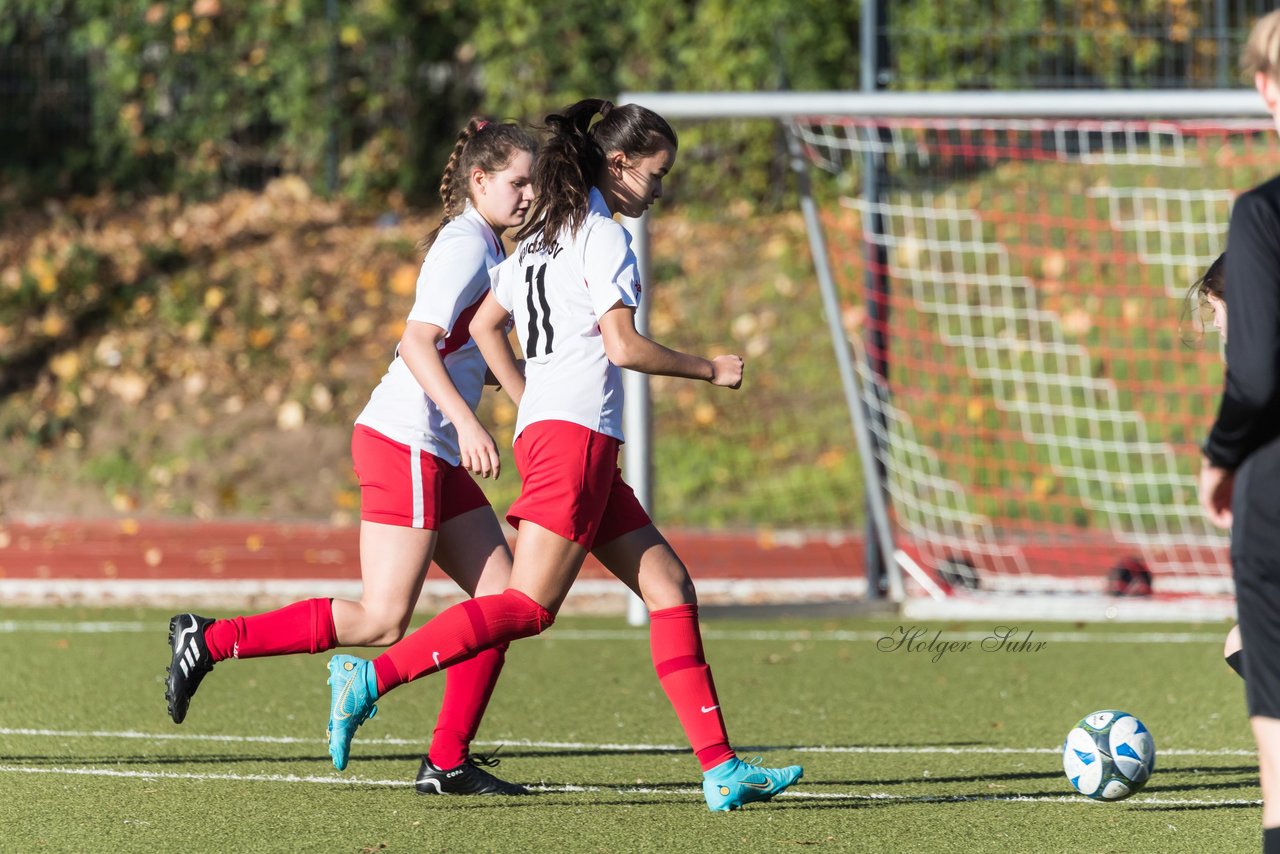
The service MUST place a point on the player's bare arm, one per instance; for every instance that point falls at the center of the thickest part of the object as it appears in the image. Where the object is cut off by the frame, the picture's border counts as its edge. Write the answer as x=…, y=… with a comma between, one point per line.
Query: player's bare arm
x=627, y=348
x=477, y=450
x=489, y=331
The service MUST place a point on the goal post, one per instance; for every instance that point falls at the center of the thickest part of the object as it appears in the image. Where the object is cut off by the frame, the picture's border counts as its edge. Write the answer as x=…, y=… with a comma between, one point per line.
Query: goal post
x=1035, y=408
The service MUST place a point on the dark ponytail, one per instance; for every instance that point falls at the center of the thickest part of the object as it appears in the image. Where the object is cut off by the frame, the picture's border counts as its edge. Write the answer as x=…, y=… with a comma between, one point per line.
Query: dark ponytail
x=481, y=144
x=1212, y=284
x=571, y=160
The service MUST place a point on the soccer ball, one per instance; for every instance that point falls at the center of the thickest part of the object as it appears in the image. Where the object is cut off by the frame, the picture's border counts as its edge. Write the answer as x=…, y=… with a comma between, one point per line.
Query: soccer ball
x=1109, y=755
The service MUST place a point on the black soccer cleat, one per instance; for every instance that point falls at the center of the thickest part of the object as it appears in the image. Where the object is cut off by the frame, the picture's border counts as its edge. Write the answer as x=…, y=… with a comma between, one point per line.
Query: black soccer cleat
x=190, y=661
x=467, y=779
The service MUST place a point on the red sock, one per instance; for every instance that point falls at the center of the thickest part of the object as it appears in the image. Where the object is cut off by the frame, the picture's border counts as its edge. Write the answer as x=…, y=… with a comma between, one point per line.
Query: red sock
x=305, y=626
x=467, y=688
x=459, y=632
x=676, y=644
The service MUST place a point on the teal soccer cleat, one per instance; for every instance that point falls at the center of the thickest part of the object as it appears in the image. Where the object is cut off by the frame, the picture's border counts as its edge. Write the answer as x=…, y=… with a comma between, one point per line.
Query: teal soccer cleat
x=353, y=687
x=734, y=783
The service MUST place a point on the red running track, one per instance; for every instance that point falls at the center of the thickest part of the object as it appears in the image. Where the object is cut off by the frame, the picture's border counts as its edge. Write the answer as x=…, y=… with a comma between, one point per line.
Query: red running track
x=178, y=550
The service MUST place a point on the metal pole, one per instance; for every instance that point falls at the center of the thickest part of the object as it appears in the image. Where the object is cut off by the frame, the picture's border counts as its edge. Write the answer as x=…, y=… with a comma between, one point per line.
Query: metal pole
x=1039, y=103
x=875, y=283
x=869, y=26
x=637, y=413
x=878, y=513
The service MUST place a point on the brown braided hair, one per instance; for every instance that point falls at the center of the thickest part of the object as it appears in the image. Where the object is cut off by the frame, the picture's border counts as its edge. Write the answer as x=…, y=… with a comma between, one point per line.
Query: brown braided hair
x=574, y=154
x=482, y=144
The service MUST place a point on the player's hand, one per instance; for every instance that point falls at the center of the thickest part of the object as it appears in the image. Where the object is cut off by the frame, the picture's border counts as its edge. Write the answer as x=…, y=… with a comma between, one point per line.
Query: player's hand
x=1215, y=487
x=726, y=371
x=477, y=451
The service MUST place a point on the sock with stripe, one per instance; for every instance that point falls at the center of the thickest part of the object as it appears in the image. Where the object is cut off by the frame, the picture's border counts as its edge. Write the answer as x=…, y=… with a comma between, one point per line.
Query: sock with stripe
x=458, y=633
x=675, y=641
x=305, y=626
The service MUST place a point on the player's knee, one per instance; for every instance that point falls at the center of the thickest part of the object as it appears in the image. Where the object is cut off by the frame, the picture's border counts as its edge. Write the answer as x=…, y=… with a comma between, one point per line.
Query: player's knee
x=528, y=617
x=382, y=627
x=675, y=591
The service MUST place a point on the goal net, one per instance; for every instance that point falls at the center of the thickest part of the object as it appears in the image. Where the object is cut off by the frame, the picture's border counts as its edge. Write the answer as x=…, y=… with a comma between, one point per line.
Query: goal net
x=1035, y=378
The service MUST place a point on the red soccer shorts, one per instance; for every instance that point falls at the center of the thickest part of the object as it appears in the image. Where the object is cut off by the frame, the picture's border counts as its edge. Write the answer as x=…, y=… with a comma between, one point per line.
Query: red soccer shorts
x=406, y=486
x=572, y=485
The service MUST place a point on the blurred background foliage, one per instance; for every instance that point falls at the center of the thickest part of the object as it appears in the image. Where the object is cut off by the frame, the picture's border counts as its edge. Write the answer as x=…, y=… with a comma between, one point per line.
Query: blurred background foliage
x=363, y=97
x=209, y=212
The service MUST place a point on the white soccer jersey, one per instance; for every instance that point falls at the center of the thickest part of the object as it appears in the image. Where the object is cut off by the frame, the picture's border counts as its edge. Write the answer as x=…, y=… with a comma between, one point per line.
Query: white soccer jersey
x=558, y=298
x=451, y=285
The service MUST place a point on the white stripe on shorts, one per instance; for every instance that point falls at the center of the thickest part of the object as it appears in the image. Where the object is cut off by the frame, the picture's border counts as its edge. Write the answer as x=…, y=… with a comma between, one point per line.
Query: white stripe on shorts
x=415, y=468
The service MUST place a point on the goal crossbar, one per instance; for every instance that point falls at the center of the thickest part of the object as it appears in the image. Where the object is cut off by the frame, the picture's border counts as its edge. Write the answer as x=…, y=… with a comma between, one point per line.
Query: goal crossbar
x=974, y=294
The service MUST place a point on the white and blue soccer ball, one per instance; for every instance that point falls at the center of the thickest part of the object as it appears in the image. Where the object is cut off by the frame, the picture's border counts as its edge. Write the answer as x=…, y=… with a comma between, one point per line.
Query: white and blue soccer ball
x=1109, y=755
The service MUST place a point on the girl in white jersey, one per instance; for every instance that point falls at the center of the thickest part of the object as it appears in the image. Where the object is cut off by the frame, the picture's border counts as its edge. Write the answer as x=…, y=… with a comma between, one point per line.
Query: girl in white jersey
x=573, y=287
x=410, y=447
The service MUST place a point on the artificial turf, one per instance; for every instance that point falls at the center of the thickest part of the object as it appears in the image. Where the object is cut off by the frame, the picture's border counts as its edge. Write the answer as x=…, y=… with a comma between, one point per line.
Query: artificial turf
x=903, y=750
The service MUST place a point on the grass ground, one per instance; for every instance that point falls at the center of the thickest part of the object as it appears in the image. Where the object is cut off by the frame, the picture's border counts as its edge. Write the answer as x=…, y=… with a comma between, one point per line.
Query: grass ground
x=902, y=752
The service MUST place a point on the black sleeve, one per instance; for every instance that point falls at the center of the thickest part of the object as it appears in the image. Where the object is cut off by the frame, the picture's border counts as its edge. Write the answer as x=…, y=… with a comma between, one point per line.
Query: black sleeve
x=1247, y=413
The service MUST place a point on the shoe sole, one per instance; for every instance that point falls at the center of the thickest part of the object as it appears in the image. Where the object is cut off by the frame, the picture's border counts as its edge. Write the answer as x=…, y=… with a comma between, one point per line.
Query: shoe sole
x=178, y=717
x=437, y=790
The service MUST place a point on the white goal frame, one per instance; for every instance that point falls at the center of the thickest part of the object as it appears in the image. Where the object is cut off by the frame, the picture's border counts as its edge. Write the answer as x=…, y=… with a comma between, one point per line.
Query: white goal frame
x=781, y=106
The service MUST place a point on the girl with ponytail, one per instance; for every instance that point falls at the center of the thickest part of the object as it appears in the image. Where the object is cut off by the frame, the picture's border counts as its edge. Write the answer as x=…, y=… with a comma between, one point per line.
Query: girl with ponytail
x=413, y=446
x=573, y=287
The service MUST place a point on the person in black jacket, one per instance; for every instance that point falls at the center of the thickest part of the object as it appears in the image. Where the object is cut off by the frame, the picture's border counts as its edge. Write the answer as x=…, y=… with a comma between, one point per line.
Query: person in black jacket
x=1208, y=296
x=1239, y=482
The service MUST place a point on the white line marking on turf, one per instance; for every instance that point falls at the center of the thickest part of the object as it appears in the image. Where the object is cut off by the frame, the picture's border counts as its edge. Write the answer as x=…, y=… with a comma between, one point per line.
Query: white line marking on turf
x=50, y=627
x=178, y=775
x=926, y=749
x=626, y=790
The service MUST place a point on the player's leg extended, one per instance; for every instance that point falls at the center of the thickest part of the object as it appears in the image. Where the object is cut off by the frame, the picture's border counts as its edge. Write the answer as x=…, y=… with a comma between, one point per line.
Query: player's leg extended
x=544, y=568
x=197, y=643
x=553, y=459
x=644, y=561
x=393, y=563
x=473, y=552
x=455, y=634
x=393, y=560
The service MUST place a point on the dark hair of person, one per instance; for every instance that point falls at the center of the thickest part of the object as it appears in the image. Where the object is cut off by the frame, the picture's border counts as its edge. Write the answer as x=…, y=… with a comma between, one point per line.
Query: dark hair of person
x=482, y=144
x=1212, y=284
x=574, y=154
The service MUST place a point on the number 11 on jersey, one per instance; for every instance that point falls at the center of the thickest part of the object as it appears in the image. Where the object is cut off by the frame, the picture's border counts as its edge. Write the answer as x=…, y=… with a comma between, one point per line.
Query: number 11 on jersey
x=537, y=280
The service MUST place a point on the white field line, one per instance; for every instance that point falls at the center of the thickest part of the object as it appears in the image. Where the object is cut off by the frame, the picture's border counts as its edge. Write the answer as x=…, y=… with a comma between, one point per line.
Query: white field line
x=579, y=745
x=1019, y=634
x=88, y=628
x=625, y=790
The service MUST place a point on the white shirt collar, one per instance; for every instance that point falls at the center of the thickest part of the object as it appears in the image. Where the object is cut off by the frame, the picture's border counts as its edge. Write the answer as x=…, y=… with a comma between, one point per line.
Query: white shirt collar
x=595, y=203
x=491, y=239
